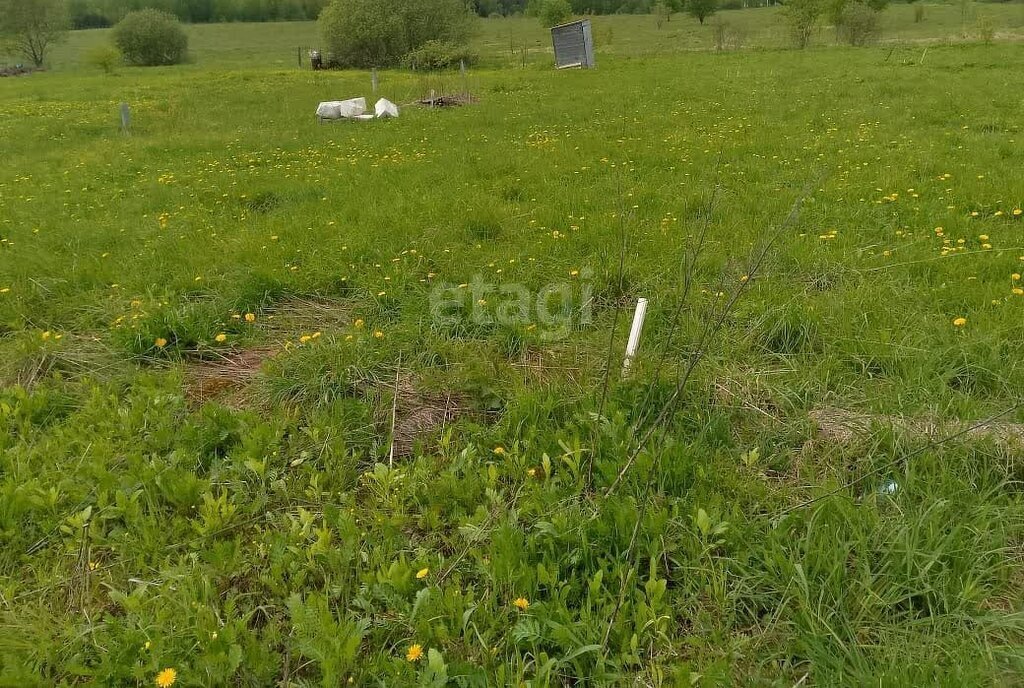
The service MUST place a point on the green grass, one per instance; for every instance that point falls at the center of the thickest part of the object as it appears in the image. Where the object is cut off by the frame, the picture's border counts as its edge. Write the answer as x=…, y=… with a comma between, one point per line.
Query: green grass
x=255, y=534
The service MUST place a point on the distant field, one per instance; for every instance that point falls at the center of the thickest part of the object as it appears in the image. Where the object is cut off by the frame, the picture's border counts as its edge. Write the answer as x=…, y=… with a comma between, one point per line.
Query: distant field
x=289, y=404
x=274, y=45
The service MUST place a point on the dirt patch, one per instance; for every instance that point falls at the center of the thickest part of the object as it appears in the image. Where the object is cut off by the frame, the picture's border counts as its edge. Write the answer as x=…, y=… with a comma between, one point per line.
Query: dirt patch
x=843, y=426
x=226, y=379
x=418, y=413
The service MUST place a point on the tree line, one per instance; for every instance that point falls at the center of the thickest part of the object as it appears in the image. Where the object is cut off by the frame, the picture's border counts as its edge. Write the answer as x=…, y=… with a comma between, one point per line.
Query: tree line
x=88, y=14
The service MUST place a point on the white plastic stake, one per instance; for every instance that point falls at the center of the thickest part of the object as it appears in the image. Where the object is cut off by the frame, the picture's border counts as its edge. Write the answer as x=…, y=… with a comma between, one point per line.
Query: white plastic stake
x=634, y=334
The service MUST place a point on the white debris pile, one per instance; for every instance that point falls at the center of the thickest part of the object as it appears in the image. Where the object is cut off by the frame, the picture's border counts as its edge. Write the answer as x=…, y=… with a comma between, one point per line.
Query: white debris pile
x=355, y=108
x=385, y=108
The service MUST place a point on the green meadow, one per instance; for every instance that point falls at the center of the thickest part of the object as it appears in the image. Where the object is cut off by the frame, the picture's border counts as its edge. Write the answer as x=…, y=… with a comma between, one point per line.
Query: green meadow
x=296, y=404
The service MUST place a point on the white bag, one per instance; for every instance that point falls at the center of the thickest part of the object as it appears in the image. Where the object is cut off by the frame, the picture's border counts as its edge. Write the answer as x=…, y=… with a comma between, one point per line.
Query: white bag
x=341, y=109
x=385, y=108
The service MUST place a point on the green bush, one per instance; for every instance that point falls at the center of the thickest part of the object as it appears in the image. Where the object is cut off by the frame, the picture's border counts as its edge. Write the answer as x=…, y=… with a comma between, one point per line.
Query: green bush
x=859, y=24
x=380, y=33
x=802, y=18
x=434, y=55
x=554, y=12
x=151, y=37
x=105, y=57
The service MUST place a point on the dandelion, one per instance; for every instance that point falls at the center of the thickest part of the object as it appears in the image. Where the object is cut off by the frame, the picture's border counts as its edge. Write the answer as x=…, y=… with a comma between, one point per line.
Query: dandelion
x=414, y=653
x=983, y=237
x=422, y=573
x=166, y=678
x=959, y=322
x=377, y=334
x=359, y=322
x=1017, y=291
x=147, y=645
x=521, y=603
x=221, y=337
x=1015, y=277
x=250, y=317
x=160, y=342
x=1017, y=212
x=499, y=450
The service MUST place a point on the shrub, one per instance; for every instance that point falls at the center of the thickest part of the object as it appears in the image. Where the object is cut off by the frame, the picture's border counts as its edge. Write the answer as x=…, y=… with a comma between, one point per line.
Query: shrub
x=726, y=36
x=858, y=24
x=802, y=18
x=554, y=12
x=105, y=57
x=380, y=33
x=434, y=55
x=986, y=30
x=151, y=37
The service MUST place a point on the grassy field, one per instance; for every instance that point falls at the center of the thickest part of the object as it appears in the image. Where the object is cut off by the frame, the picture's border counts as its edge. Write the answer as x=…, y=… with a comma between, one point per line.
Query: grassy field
x=295, y=404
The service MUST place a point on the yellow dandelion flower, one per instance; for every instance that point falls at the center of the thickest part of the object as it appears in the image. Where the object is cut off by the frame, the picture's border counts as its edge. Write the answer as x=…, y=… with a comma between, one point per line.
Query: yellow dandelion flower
x=1017, y=212
x=521, y=603
x=160, y=342
x=499, y=450
x=1015, y=277
x=422, y=573
x=359, y=322
x=959, y=322
x=221, y=337
x=378, y=334
x=1018, y=291
x=983, y=237
x=250, y=317
x=414, y=653
x=166, y=678
x=147, y=645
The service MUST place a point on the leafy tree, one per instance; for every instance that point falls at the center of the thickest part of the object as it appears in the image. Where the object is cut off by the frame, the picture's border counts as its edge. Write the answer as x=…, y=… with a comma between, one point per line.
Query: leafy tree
x=151, y=37
x=553, y=12
x=32, y=27
x=802, y=17
x=378, y=33
x=701, y=9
